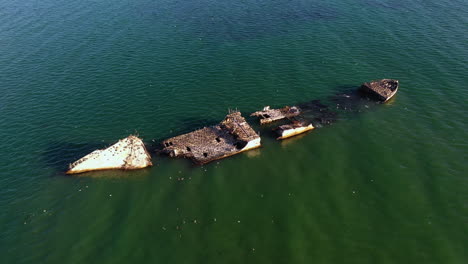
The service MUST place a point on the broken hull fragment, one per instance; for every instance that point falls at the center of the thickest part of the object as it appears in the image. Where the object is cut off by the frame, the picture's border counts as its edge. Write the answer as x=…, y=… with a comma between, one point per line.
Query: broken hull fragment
x=288, y=131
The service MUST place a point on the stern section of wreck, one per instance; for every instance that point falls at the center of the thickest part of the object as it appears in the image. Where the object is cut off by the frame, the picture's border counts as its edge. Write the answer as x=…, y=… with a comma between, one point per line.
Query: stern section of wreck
x=381, y=90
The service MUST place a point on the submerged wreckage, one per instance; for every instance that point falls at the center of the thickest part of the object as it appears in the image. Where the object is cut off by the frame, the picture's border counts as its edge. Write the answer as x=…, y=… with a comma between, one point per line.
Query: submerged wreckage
x=268, y=115
x=231, y=136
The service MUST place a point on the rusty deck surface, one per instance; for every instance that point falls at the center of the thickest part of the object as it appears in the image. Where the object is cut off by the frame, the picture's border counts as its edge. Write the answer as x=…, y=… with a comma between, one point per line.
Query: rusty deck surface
x=231, y=136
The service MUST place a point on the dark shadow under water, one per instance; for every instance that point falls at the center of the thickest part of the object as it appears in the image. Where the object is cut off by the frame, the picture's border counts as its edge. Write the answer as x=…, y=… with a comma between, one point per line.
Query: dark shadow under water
x=59, y=155
x=346, y=102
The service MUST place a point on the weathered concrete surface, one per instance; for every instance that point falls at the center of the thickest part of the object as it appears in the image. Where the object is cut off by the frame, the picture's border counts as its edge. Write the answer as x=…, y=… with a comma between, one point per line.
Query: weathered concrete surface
x=233, y=135
x=268, y=115
x=382, y=90
x=128, y=153
x=293, y=129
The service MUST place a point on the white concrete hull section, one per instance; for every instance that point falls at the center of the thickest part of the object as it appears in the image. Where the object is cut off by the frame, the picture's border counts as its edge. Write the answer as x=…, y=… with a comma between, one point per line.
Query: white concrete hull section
x=252, y=144
x=295, y=131
x=128, y=153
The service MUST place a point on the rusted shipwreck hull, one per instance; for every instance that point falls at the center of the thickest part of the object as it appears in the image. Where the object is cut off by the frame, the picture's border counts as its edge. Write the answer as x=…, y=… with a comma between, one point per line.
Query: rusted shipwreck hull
x=381, y=90
x=233, y=135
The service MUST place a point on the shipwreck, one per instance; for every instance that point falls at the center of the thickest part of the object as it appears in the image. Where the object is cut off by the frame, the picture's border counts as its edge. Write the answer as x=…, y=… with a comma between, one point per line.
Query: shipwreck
x=234, y=135
x=127, y=154
x=231, y=136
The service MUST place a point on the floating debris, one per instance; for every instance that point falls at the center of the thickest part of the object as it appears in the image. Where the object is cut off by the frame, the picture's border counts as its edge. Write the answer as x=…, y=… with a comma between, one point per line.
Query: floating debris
x=128, y=153
x=382, y=90
x=268, y=115
x=233, y=135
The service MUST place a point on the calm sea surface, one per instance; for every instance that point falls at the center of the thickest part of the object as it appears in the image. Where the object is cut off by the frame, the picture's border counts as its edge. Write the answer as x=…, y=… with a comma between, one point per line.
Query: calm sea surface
x=387, y=184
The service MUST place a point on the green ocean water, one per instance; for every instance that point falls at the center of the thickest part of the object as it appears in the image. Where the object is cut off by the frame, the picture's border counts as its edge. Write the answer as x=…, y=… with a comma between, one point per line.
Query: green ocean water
x=387, y=184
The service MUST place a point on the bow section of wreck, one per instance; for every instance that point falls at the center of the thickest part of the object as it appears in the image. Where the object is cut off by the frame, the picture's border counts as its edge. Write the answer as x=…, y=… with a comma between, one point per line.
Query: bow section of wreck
x=233, y=135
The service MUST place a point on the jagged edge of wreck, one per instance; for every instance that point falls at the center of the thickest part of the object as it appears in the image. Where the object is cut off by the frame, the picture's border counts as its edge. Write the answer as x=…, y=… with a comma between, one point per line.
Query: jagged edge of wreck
x=124, y=167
